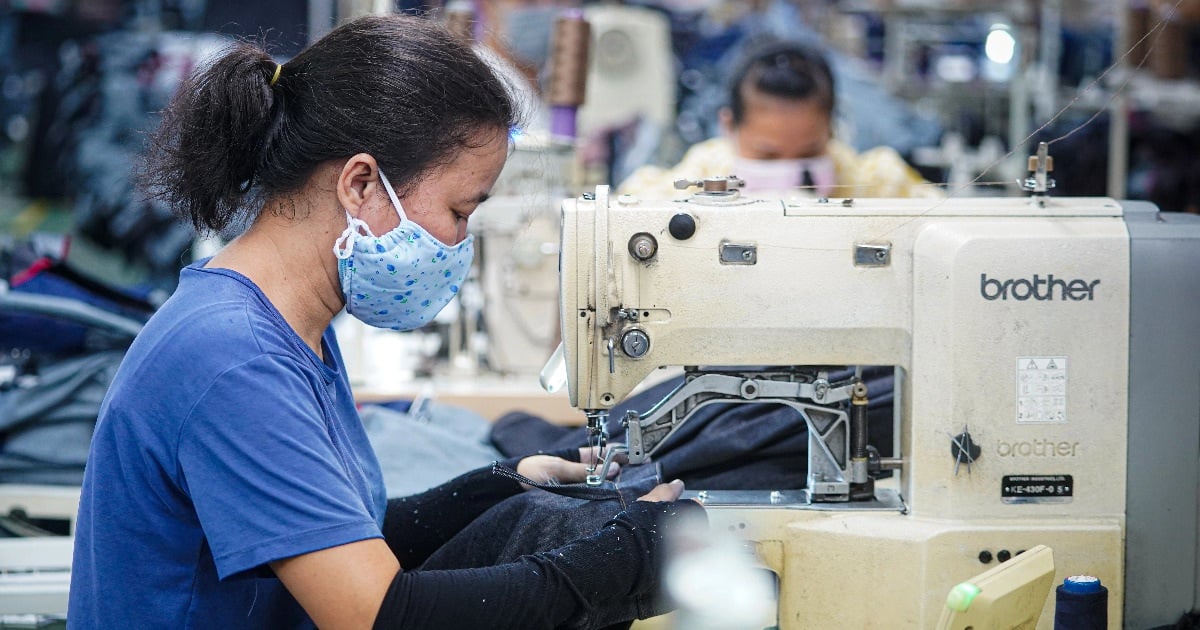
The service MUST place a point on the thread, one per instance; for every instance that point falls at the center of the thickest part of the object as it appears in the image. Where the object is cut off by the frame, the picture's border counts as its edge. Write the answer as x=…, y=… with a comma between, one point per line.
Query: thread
x=1081, y=603
x=568, y=60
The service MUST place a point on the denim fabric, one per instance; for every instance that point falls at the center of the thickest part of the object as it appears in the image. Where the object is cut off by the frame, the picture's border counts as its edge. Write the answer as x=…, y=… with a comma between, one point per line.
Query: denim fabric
x=722, y=446
x=46, y=429
x=420, y=450
x=540, y=520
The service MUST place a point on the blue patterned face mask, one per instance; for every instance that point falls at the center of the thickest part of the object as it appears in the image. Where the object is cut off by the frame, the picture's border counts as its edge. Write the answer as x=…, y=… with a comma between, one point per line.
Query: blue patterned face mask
x=402, y=279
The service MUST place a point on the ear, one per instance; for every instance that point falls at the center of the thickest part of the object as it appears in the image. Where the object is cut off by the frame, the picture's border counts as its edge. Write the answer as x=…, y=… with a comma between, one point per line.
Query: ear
x=725, y=118
x=357, y=183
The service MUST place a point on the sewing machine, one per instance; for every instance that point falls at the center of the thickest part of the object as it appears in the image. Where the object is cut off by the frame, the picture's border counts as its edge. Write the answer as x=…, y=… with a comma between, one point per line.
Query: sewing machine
x=1047, y=382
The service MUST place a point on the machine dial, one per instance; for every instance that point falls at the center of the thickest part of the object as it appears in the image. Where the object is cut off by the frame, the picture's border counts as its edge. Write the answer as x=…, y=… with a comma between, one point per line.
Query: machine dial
x=635, y=343
x=643, y=246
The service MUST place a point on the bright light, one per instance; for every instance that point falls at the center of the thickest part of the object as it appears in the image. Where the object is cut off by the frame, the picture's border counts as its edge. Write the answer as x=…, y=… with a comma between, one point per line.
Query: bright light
x=1000, y=45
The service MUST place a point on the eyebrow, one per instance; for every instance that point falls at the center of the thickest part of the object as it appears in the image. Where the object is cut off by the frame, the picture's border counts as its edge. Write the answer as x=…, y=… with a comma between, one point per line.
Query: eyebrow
x=477, y=200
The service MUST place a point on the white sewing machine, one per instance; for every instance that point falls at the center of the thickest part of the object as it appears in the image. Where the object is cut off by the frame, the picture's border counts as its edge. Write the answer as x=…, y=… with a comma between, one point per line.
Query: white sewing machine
x=1048, y=383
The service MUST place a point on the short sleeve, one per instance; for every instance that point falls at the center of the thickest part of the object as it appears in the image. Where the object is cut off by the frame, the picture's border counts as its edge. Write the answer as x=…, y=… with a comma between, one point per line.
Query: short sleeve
x=257, y=456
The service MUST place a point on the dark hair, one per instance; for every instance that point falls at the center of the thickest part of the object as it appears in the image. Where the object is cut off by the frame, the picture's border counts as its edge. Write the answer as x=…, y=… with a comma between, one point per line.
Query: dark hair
x=400, y=88
x=786, y=69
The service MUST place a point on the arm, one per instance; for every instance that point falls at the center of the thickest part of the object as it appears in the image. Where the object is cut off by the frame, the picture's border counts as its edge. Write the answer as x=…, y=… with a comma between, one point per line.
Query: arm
x=355, y=585
x=340, y=587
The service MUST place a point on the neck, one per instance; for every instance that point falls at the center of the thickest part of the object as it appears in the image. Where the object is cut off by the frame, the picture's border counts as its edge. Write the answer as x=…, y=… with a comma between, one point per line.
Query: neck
x=288, y=253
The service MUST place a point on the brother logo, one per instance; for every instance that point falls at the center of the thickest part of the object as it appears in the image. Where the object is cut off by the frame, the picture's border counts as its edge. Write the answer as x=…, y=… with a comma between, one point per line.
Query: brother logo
x=1037, y=448
x=1039, y=288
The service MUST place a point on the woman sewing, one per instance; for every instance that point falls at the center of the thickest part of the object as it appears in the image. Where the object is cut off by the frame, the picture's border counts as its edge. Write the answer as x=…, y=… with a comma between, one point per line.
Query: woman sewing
x=230, y=482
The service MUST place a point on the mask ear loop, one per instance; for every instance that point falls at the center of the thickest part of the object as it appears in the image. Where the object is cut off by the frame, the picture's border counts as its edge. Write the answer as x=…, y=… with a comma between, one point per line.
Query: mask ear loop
x=392, y=195
x=404, y=217
x=344, y=245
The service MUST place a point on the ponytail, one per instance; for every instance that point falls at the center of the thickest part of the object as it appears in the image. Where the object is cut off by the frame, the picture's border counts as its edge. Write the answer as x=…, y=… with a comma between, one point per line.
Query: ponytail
x=203, y=158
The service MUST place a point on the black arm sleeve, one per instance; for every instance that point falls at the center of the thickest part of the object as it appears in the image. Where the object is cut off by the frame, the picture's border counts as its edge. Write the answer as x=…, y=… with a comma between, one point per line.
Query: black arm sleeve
x=415, y=526
x=622, y=560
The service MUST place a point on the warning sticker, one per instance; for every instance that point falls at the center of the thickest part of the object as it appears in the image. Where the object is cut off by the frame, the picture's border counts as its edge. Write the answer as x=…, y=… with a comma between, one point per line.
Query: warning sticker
x=1041, y=390
x=1037, y=488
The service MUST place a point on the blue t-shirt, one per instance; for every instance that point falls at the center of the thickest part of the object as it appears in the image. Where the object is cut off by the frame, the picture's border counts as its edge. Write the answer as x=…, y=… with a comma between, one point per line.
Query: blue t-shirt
x=224, y=443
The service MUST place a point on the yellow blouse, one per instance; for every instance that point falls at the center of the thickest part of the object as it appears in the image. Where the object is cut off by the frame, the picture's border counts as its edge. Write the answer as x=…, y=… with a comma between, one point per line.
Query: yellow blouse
x=879, y=172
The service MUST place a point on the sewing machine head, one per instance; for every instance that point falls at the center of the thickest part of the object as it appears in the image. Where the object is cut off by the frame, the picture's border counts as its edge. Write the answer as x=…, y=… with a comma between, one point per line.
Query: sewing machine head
x=981, y=304
x=1007, y=322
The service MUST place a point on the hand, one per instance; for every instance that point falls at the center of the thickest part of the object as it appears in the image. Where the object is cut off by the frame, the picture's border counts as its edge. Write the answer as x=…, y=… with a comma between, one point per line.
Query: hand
x=556, y=470
x=664, y=492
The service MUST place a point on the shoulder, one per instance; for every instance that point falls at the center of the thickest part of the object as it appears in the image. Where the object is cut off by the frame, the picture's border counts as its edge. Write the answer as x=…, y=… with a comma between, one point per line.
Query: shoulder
x=709, y=158
x=879, y=172
x=216, y=312
x=213, y=325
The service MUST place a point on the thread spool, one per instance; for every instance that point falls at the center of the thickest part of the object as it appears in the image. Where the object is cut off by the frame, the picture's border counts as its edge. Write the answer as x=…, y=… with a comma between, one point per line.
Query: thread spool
x=1081, y=603
x=1169, y=57
x=567, y=84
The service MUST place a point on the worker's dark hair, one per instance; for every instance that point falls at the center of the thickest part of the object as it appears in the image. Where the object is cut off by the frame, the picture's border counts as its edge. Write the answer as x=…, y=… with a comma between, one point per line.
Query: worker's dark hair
x=399, y=88
x=786, y=69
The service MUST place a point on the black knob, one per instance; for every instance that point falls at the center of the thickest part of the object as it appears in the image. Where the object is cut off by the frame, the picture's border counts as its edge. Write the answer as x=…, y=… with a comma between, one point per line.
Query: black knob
x=1003, y=555
x=682, y=226
x=985, y=556
x=964, y=449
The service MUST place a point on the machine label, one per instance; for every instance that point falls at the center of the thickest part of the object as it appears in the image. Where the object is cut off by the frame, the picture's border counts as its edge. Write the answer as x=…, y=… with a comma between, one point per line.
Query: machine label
x=1037, y=488
x=1041, y=390
x=1038, y=288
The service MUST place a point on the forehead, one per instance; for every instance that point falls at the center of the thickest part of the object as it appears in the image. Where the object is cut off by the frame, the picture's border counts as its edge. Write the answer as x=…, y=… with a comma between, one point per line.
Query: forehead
x=784, y=121
x=476, y=164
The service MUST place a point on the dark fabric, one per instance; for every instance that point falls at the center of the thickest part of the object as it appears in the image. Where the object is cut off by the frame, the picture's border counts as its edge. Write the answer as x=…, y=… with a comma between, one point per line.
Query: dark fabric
x=51, y=336
x=538, y=520
x=46, y=423
x=595, y=580
x=62, y=358
x=722, y=446
x=416, y=525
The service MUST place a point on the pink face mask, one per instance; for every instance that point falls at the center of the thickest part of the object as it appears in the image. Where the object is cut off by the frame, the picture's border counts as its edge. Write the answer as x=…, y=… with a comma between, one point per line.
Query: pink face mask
x=816, y=175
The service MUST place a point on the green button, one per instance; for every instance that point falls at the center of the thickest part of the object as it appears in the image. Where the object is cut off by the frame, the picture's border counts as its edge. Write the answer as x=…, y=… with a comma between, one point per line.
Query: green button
x=961, y=596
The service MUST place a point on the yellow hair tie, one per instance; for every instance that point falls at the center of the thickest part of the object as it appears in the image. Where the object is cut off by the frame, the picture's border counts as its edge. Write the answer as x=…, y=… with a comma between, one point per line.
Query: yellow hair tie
x=278, y=69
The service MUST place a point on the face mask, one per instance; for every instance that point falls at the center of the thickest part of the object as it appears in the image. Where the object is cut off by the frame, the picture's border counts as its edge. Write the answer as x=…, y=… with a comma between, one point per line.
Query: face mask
x=402, y=279
x=783, y=175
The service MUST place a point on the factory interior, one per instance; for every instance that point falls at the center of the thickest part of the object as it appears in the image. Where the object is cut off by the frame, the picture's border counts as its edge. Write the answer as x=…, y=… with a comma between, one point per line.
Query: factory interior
x=905, y=292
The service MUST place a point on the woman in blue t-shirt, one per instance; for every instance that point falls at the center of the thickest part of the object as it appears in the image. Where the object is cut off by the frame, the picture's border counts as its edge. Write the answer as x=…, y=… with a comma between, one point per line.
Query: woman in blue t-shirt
x=230, y=482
